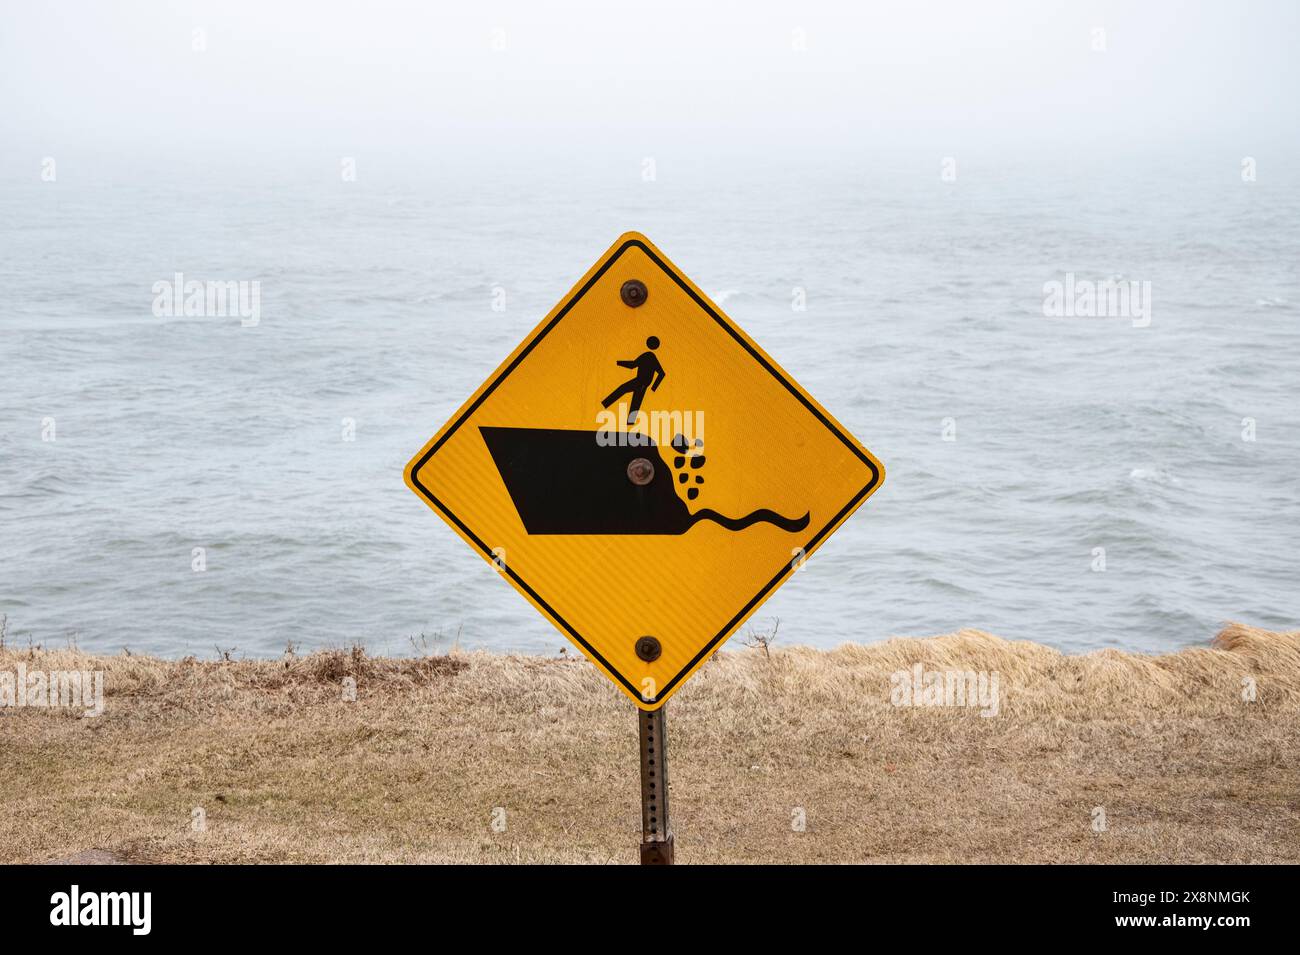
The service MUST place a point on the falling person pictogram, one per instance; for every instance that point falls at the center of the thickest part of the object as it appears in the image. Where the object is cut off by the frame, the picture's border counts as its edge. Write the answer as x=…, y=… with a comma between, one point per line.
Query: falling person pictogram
x=649, y=374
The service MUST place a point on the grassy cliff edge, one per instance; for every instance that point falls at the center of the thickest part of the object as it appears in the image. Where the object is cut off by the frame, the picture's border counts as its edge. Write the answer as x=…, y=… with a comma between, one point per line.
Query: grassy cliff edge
x=796, y=755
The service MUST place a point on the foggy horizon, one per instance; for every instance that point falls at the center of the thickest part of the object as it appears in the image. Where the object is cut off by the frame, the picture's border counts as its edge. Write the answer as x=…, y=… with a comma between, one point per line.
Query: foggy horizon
x=236, y=85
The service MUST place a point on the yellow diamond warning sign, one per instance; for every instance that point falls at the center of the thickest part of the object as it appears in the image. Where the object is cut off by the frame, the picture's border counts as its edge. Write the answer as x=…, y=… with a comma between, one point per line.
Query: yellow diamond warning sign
x=642, y=472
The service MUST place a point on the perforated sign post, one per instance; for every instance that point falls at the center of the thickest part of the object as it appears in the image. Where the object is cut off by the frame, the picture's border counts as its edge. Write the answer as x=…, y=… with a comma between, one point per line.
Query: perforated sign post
x=646, y=476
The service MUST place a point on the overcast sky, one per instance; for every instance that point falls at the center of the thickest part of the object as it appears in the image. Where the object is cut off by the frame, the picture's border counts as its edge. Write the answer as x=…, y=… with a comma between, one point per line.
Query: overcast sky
x=424, y=80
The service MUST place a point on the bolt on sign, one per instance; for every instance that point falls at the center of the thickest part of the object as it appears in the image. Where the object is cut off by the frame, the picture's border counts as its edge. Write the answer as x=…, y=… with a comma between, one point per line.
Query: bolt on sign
x=642, y=472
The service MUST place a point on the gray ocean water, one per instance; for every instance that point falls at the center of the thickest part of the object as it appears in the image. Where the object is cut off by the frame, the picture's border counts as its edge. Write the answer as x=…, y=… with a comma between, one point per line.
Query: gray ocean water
x=924, y=303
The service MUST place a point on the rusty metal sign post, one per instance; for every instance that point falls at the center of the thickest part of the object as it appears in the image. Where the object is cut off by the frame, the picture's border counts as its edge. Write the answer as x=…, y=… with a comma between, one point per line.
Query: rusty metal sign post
x=656, y=833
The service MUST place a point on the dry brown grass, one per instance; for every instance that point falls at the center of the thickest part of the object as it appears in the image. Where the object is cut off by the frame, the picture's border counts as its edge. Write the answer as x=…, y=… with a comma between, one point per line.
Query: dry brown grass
x=286, y=771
